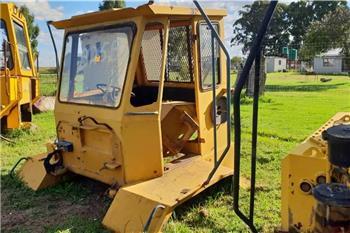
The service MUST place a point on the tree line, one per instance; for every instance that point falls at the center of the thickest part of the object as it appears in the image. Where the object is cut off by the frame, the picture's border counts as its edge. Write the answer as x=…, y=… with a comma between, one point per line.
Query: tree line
x=312, y=27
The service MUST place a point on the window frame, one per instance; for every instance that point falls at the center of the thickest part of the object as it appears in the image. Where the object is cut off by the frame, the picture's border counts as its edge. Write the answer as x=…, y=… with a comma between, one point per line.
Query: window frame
x=207, y=88
x=10, y=47
x=27, y=45
x=133, y=27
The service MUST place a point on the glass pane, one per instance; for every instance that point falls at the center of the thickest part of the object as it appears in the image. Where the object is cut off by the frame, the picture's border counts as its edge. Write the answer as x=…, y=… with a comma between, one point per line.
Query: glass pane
x=206, y=56
x=22, y=47
x=179, y=61
x=95, y=65
x=5, y=47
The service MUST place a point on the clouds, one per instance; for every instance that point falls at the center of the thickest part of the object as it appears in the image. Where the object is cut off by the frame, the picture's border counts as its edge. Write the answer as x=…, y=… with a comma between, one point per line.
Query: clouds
x=232, y=8
x=42, y=10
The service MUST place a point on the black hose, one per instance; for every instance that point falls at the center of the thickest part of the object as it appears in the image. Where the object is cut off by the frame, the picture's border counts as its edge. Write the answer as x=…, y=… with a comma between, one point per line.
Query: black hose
x=48, y=23
x=12, y=172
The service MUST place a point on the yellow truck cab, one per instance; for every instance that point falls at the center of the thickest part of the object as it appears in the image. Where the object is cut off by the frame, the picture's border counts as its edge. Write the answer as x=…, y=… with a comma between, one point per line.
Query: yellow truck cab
x=18, y=76
x=138, y=109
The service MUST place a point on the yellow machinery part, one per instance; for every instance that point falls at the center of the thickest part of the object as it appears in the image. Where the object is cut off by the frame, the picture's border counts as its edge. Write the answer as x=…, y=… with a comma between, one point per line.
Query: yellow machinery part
x=303, y=165
x=19, y=85
x=34, y=175
x=123, y=146
x=132, y=206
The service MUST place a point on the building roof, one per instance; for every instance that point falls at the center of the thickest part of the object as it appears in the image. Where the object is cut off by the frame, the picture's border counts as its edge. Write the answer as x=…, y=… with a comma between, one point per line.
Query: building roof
x=332, y=53
x=275, y=57
x=147, y=10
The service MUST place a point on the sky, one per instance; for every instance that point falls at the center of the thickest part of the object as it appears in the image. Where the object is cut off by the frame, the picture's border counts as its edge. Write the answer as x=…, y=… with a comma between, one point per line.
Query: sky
x=45, y=10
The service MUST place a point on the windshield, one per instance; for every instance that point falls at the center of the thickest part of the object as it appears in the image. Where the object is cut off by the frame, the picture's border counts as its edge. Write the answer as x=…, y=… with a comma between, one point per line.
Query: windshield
x=95, y=65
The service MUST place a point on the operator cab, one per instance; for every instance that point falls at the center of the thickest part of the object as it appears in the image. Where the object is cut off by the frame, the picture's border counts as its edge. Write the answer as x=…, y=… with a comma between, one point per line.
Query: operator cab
x=147, y=74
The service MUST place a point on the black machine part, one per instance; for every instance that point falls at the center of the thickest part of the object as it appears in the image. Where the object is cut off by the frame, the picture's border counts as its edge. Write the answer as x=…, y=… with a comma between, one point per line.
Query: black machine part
x=333, y=194
x=219, y=115
x=338, y=138
x=332, y=213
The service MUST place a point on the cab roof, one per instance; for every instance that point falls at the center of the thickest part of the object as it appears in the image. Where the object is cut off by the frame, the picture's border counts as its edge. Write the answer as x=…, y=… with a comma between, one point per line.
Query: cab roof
x=148, y=10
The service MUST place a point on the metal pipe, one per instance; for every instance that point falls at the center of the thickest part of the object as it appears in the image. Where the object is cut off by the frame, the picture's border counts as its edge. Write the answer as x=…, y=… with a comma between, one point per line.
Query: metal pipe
x=237, y=117
x=228, y=87
x=254, y=134
x=151, y=216
x=214, y=97
x=48, y=23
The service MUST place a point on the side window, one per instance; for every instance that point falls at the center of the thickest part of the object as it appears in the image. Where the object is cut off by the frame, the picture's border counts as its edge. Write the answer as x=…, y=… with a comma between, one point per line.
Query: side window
x=179, y=60
x=151, y=58
x=152, y=41
x=22, y=47
x=328, y=62
x=206, y=59
x=5, y=49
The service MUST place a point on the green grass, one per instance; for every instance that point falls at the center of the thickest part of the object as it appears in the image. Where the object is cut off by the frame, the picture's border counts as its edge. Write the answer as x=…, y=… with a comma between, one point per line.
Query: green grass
x=292, y=108
x=48, y=84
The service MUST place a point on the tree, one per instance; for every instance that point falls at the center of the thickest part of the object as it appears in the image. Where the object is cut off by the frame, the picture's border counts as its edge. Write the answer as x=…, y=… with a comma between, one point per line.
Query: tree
x=236, y=62
x=333, y=31
x=247, y=26
x=288, y=26
x=33, y=29
x=302, y=13
x=109, y=4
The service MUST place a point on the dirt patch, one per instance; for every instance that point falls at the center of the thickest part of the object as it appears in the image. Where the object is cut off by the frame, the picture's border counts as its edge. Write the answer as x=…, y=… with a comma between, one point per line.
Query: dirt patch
x=48, y=211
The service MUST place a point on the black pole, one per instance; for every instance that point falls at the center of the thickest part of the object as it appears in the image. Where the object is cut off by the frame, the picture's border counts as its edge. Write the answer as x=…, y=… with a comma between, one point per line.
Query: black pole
x=237, y=116
x=228, y=87
x=254, y=134
x=48, y=23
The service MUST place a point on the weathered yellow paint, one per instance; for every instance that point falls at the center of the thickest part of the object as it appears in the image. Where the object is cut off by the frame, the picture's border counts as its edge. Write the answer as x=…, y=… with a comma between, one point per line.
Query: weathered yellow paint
x=19, y=86
x=133, y=204
x=123, y=146
x=304, y=164
x=38, y=179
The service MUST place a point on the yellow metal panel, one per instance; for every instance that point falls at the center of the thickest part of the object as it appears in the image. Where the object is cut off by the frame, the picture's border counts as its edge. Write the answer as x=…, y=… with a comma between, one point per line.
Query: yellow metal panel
x=145, y=10
x=133, y=204
x=298, y=207
x=34, y=175
x=18, y=86
x=304, y=164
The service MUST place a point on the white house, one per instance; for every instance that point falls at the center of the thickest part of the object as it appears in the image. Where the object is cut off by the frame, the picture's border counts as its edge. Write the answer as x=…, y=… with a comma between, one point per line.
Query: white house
x=331, y=62
x=276, y=64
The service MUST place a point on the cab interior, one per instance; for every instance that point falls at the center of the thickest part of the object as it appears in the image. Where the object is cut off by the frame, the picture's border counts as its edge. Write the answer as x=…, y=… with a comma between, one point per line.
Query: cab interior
x=178, y=116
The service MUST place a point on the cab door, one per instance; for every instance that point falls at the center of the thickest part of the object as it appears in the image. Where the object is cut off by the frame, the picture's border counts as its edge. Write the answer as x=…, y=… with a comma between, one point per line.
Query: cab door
x=141, y=128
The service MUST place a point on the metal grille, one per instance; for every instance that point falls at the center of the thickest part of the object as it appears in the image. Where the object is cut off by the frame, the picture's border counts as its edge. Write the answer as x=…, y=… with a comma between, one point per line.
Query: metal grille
x=179, y=61
x=206, y=56
x=152, y=53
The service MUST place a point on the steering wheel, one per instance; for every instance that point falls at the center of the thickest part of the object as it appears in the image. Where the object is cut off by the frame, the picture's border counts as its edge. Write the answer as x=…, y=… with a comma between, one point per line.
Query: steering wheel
x=104, y=88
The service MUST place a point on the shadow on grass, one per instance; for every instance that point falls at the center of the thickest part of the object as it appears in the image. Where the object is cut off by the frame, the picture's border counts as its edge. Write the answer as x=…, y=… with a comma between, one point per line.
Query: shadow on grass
x=77, y=204
x=302, y=88
x=190, y=212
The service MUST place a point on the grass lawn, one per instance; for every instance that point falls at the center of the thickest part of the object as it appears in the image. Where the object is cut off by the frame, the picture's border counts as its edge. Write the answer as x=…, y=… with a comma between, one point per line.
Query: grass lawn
x=292, y=108
x=48, y=84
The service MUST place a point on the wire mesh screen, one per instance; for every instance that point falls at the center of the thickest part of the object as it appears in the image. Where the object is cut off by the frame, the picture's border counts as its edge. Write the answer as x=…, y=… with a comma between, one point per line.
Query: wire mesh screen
x=179, y=62
x=206, y=56
x=152, y=53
